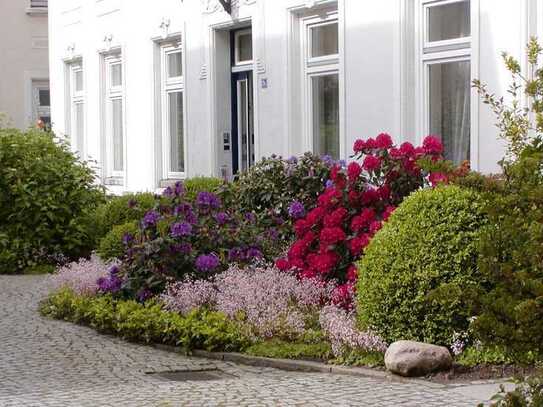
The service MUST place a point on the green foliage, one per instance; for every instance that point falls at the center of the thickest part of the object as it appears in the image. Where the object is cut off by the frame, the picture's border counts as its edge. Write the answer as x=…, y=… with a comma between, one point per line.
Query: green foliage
x=510, y=308
x=148, y=323
x=291, y=350
x=483, y=355
x=111, y=245
x=358, y=357
x=47, y=199
x=519, y=125
x=411, y=274
x=527, y=393
x=201, y=184
x=120, y=210
x=269, y=187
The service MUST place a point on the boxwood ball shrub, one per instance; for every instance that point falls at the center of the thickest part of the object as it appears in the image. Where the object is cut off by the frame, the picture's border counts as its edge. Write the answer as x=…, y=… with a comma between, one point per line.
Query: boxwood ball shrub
x=47, y=199
x=410, y=274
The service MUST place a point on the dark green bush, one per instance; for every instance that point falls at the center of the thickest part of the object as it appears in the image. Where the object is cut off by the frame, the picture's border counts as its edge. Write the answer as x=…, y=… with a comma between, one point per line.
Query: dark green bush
x=201, y=184
x=112, y=245
x=47, y=198
x=428, y=247
x=510, y=308
x=147, y=323
x=120, y=210
x=269, y=187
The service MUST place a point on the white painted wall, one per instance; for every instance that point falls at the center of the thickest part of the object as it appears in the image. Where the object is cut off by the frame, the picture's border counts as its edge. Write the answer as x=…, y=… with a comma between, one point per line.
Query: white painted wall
x=378, y=72
x=23, y=58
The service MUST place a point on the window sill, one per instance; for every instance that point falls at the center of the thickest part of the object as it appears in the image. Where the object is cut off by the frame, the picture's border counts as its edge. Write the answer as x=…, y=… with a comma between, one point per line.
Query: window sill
x=165, y=183
x=113, y=181
x=36, y=11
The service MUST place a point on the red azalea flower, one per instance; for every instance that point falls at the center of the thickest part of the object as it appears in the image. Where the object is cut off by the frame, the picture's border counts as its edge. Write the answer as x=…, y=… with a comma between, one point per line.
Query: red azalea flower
x=384, y=192
x=298, y=250
x=282, y=264
x=343, y=296
x=336, y=170
x=308, y=274
x=354, y=198
x=353, y=171
x=370, y=196
x=371, y=163
x=335, y=218
x=330, y=198
x=309, y=237
x=331, y=236
x=352, y=273
x=323, y=263
x=371, y=144
x=301, y=227
x=363, y=220
x=432, y=145
x=437, y=178
x=359, y=146
x=297, y=264
x=383, y=141
x=407, y=149
x=358, y=244
x=388, y=211
x=375, y=226
x=315, y=216
x=395, y=153
x=419, y=152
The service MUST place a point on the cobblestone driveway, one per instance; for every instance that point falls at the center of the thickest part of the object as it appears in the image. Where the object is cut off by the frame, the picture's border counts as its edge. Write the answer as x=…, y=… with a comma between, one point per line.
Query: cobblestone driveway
x=52, y=363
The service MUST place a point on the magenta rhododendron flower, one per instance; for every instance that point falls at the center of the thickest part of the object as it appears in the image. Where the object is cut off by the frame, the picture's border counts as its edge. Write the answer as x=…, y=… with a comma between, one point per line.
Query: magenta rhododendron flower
x=432, y=145
x=383, y=141
x=371, y=163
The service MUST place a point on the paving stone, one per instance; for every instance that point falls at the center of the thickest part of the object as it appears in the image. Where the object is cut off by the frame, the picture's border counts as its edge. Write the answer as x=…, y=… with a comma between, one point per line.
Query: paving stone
x=46, y=363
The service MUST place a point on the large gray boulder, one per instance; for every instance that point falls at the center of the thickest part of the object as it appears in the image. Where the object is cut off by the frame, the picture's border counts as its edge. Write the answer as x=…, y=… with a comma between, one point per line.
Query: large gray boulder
x=409, y=358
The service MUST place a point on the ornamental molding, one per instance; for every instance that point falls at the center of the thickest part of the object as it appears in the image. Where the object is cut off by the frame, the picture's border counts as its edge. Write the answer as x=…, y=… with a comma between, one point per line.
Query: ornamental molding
x=212, y=6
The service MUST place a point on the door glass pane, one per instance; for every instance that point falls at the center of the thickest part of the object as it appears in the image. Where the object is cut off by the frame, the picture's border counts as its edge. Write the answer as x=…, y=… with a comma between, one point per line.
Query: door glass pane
x=449, y=102
x=175, y=64
x=79, y=127
x=45, y=97
x=117, y=123
x=243, y=124
x=324, y=40
x=78, y=79
x=177, y=151
x=116, y=75
x=326, y=115
x=449, y=21
x=245, y=47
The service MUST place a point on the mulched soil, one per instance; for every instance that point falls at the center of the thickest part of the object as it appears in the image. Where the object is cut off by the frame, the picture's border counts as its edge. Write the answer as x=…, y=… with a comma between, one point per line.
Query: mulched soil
x=460, y=373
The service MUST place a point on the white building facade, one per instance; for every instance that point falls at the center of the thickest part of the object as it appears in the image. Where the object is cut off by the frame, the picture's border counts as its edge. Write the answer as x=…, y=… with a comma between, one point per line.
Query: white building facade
x=157, y=91
x=24, y=64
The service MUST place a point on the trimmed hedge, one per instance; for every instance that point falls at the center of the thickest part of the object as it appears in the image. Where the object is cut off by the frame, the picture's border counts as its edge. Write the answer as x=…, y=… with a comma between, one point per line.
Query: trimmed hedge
x=147, y=323
x=411, y=274
x=47, y=201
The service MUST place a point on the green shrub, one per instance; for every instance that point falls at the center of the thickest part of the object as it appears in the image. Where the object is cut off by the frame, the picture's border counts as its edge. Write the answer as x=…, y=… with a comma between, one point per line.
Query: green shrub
x=291, y=350
x=269, y=187
x=527, y=393
x=510, y=308
x=47, y=199
x=120, y=210
x=409, y=278
x=112, y=245
x=148, y=322
x=201, y=184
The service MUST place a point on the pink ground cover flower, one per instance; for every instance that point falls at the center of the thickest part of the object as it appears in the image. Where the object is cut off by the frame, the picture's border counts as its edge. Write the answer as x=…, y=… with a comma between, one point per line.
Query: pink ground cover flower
x=269, y=301
x=81, y=276
x=340, y=328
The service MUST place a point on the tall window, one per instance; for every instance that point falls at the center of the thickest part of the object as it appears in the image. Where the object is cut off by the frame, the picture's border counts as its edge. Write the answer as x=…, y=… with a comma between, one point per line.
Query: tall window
x=41, y=102
x=173, y=134
x=446, y=61
x=77, y=107
x=321, y=70
x=114, y=113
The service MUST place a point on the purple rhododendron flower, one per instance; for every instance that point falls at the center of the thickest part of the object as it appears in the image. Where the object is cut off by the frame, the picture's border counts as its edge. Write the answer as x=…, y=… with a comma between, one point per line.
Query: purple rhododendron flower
x=251, y=217
x=235, y=254
x=183, y=248
x=208, y=200
x=207, y=262
x=179, y=188
x=181, y=229
x=222, y=218
x=329, y=183
x=127, y=239
x=296, y=210
x=150, y=219
x=254, y=253
x=328, y=160
x=144, y=294
x=168, y=192
x=292, y=160
x=342, y=163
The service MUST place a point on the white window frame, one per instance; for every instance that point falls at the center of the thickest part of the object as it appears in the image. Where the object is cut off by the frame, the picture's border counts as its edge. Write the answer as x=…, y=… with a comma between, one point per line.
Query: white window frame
x=76, y=98
x=237, y=60
x=440, y=52
x=168, y=86
x=37, y=109
x=113, y=93
x=319, y=66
